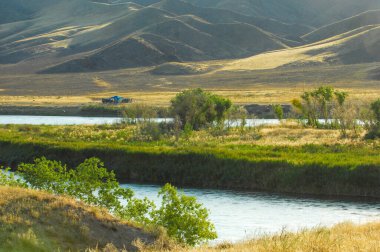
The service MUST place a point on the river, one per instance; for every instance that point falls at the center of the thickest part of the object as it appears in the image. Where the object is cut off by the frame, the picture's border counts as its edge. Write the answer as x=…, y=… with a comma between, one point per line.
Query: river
x=242, y=215
x=79, y=120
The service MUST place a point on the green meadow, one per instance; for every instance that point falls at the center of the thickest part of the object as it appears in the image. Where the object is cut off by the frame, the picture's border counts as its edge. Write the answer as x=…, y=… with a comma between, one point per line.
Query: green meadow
x=286, y=158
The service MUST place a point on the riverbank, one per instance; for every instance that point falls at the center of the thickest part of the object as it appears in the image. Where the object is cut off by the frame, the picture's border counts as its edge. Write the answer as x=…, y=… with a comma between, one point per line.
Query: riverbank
x=27, y=218
x=286, y=159
x=38, y=221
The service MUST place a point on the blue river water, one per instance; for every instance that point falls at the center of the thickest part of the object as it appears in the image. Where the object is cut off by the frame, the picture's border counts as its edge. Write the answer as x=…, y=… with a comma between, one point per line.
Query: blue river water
x=78, y=120
x=242, y=215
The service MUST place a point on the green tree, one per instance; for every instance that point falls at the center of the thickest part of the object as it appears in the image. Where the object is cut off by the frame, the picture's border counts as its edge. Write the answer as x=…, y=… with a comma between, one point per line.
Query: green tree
x=374, y=128
x=199, y=108
x=183, y=217
x=319, y=104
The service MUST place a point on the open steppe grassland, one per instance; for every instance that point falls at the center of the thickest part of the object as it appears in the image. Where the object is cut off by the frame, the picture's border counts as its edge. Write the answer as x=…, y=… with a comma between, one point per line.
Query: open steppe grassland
x=242, y=87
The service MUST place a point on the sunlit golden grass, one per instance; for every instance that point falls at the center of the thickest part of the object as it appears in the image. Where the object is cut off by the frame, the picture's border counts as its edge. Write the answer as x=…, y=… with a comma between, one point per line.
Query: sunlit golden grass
x=257, y=95
x=38, y=221
x=101, y=83
x=344, y=237
x=289, y=133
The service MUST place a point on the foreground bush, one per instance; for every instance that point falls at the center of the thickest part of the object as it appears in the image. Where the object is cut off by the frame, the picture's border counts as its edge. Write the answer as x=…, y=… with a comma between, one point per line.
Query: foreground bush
x=185, y=219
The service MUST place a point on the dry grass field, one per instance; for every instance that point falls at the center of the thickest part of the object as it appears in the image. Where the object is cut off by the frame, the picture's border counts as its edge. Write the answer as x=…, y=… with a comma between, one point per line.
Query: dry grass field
x=345, y=237
x=278, y=85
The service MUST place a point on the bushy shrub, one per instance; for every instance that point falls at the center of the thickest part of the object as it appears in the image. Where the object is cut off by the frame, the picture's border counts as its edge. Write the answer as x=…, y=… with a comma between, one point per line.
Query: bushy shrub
x=374, y=125
x=137, y=112
x=349, y=118
x=8, y=179
x=237, y=116
x=199, y=108
x=319, y=104
x=184, y=218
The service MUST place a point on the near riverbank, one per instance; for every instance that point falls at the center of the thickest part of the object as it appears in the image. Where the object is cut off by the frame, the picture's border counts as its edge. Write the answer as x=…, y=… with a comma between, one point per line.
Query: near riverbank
x=287, y=158
x=27, y=217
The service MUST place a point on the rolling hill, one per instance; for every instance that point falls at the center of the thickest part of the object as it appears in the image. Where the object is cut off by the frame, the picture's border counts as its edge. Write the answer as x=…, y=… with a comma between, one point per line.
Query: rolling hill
x=366, y=19
x=91, y=36
x=308, y=12
x=68, y=36
x=350, y=48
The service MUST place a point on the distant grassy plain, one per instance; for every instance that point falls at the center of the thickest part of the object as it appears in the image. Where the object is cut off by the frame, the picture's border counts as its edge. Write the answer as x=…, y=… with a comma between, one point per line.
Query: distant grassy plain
x=265, y=86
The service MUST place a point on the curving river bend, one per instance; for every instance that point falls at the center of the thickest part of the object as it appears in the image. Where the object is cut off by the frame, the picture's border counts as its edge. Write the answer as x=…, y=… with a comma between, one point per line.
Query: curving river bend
x=243, y=215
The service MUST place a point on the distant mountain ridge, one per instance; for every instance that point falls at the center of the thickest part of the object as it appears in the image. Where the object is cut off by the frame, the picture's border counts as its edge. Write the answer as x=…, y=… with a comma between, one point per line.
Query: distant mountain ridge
x=97, y=35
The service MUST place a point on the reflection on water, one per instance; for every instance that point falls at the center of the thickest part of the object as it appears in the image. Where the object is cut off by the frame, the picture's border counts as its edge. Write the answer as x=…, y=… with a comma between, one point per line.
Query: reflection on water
x=241, y=215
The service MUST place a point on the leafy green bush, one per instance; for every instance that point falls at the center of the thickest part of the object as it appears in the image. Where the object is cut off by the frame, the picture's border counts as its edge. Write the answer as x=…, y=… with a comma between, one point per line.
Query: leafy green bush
x=319, y=104
x=8, y=179
x=185, y=219
x=199, y=108
x=374, y=127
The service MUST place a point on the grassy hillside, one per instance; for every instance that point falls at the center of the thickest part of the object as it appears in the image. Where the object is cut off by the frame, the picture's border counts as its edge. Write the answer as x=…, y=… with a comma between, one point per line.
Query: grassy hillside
x=245, y=51
x=362, y=20
x=38, y=221
x=355, y=47
x=82, y=35
x=310, y=12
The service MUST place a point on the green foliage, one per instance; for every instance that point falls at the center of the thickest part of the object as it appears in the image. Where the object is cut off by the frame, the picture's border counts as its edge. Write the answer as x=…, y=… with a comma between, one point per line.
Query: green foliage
x=89, y=182
x=199, y=108
x=184, y=218
x=375, y=107
x=8, y=179
x=152, y=131
x=205, y=160
x=139, y=112
x=187, y=131
x=278, y=111
x=374, y=127
x=319, y=104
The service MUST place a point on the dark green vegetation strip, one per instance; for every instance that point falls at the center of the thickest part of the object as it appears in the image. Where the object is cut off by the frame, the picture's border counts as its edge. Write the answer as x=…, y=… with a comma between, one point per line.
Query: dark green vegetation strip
x=351, y=170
